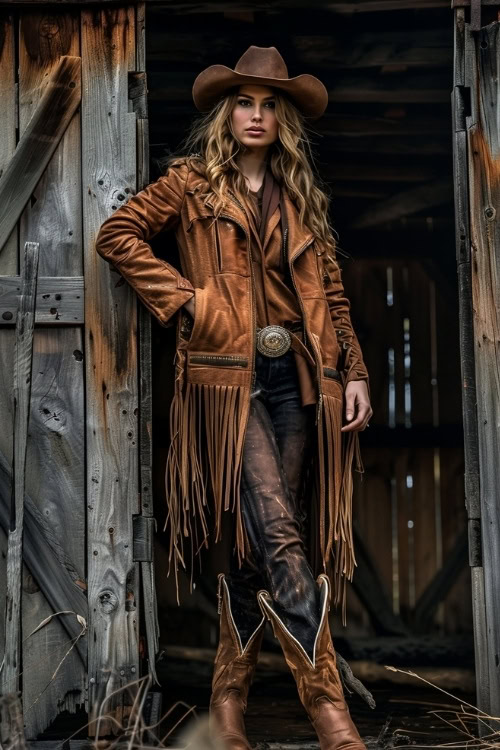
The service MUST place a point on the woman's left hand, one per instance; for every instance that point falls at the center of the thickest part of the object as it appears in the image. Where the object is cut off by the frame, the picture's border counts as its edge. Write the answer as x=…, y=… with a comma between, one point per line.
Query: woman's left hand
x=358, y=409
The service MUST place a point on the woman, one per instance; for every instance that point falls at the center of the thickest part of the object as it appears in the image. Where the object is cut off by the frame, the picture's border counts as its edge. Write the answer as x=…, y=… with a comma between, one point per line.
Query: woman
x=266, y=359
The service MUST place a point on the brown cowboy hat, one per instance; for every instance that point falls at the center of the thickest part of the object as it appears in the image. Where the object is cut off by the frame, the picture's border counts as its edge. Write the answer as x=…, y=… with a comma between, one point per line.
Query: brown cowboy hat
x=263, y=66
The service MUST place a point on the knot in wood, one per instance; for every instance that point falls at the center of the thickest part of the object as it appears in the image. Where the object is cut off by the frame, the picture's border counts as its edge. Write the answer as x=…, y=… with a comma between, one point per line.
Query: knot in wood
x=108, y=600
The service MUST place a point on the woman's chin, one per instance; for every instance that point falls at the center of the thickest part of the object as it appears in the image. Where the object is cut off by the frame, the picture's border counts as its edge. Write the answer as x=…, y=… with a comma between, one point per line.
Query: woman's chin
x=253, y=142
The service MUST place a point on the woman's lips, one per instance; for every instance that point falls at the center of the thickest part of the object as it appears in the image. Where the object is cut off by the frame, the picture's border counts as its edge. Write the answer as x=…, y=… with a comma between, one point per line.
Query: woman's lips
x=255, y=131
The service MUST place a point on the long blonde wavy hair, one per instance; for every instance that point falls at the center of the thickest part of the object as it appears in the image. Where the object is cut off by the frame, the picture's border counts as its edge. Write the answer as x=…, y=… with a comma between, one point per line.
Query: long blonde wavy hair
x=290, y=160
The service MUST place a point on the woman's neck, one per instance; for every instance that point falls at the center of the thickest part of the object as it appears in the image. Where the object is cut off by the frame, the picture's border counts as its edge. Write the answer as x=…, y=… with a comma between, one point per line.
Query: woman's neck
x=253, y=165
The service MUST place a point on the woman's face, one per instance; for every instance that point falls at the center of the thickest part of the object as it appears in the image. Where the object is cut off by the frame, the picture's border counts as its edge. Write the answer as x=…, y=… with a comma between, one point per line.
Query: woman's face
x=254, y=118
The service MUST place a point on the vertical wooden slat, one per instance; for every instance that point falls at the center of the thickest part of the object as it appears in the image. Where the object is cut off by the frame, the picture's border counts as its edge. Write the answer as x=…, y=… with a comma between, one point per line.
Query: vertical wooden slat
x=484, y=191
x=8, y=123
x=8, y=259
x=149, y=603
x=22, y=393
x=108, y=177
x=55, y=472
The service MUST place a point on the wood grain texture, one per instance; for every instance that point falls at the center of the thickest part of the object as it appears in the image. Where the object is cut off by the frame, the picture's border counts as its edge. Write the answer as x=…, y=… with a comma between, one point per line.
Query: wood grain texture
x=38, y=142
x=55, y=476
x=109, y=174
x=356, y=6
x=49, y=569
x=149, y=601
x=22, y=393
x=59, y=300
x=9, y=256
x=8, y=124
x=484, y=191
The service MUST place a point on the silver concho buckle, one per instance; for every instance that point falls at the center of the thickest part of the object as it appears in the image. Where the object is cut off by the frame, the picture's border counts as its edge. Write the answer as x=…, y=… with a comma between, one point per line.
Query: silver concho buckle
x=273, y=341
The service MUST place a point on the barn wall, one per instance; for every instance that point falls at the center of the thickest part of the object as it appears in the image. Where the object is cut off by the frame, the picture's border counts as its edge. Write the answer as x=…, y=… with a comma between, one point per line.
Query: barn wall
x=82, y=474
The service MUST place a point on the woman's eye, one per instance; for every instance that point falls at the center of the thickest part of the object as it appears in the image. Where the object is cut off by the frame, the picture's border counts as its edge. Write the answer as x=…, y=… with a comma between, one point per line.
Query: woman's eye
x=271, y=105
x=243, y=102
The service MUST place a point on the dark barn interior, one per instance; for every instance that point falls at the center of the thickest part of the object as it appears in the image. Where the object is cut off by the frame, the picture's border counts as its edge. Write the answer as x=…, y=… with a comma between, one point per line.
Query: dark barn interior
x=384, y=148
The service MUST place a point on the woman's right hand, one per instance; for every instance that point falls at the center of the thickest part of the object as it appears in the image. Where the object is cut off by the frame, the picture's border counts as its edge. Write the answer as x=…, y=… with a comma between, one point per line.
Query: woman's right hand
x=190, y=306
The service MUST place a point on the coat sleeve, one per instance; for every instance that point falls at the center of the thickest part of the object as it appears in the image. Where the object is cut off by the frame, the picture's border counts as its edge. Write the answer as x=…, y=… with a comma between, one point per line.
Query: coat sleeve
x=352, y=359
x=123, y=242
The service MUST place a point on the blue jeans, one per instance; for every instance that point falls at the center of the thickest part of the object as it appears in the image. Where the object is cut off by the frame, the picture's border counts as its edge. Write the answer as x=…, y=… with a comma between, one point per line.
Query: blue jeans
x=278, y=441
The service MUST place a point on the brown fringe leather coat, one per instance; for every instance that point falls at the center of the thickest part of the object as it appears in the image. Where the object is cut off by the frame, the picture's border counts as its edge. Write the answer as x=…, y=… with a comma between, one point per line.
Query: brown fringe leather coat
x=215, y=361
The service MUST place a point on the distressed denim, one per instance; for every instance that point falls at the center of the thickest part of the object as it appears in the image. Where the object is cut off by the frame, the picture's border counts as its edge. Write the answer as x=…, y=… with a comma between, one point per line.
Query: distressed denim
x=278, y=441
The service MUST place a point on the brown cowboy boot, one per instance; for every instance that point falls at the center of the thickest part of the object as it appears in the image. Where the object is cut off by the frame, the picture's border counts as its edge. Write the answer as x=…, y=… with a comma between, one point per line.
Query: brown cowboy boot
x=318, y=681
x=233, y=671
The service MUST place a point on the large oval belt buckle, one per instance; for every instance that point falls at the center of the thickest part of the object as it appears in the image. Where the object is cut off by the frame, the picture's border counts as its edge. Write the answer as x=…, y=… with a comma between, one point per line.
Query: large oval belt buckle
x=273, y=341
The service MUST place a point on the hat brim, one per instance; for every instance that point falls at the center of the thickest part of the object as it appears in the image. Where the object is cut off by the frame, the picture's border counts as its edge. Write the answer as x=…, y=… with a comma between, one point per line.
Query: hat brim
x=307, y=92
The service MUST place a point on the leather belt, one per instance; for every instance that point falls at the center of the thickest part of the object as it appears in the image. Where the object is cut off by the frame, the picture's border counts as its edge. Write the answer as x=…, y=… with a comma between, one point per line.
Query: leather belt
x=273, y=341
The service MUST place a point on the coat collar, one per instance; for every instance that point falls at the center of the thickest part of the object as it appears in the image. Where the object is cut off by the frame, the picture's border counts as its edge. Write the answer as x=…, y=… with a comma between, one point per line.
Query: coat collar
x=298, y=237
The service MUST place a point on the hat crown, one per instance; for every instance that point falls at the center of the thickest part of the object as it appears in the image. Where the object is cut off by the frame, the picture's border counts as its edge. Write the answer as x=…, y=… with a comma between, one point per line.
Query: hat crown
x=265, y=62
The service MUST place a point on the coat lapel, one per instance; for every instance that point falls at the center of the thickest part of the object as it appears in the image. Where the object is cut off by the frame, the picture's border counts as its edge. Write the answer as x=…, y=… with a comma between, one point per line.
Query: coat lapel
x=298, y=237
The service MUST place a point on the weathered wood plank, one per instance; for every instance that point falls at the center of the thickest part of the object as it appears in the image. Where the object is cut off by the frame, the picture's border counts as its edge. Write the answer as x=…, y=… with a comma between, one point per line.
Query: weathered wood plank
x=38, y=143
x=22, y=393
x=9, y=256
x=50, y=568
x=356, y=6
x=8, y=124
x=149, y=603
x=484, y=191
x=59, y=300
x=55, y=475
x=109, y=171
x=56, y=482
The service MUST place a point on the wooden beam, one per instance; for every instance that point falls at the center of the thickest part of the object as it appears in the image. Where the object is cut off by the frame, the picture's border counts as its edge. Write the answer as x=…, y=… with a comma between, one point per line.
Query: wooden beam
x=221, y=6
x=402, y=146
x=389, y=173
x=38, y=142
x=191, y=51
x=440, y=585
x=22, y=395
x=367, y=585
x=389, y=89
x=59, y=300
x=407, y=202
x=484, y=209
x=108, y=45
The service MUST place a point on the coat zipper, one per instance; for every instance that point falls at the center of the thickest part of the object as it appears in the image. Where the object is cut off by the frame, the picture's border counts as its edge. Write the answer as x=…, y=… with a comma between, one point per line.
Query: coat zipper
x=252, y=300
x=306, y=332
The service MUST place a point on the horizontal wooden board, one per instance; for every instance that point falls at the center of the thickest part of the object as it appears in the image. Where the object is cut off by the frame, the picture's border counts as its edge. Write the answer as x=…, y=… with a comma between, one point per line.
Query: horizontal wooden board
x=59, y=300
x=357, y=6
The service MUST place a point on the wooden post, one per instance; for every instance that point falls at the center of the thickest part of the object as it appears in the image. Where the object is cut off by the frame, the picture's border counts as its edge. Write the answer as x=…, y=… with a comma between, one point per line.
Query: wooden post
x=109, y=178
x=477, y=202
x=22, y=395
x=55, y=470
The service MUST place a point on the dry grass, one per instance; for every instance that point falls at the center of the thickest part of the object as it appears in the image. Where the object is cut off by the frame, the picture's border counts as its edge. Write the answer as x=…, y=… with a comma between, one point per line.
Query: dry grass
x=107, y=732
x=475, y=729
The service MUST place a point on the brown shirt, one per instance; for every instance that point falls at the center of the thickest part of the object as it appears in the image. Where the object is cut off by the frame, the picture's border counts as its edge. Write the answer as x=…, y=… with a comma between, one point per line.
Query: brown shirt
x=276, y=301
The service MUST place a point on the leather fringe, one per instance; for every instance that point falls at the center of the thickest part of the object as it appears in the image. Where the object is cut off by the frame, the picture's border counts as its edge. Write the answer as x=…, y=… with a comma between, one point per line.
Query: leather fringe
x=337, y=451
x=207, y=429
